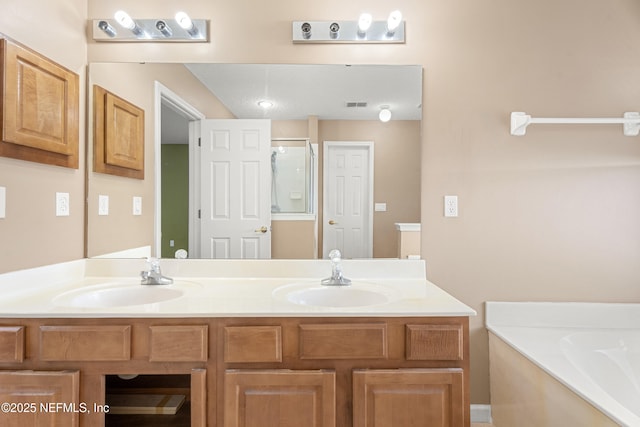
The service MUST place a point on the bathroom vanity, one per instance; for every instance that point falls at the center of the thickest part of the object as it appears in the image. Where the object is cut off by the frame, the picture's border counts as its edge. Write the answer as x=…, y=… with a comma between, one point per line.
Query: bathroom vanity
x=272, y=349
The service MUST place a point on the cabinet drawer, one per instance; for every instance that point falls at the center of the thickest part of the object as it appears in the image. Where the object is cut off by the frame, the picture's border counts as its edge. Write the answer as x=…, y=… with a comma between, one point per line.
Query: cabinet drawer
x=344, y=341
x=252, y=344
x=97, y=343
x=434, y=342
x=178, y=343
x=11, y=344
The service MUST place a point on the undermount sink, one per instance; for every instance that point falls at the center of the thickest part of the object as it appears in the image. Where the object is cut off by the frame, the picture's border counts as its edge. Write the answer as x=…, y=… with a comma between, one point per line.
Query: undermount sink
x=354, y=295
x=118, y=294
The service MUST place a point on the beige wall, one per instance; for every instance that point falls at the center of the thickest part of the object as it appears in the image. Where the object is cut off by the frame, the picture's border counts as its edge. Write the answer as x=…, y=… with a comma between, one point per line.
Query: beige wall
x=551, y=216
x=31, y=235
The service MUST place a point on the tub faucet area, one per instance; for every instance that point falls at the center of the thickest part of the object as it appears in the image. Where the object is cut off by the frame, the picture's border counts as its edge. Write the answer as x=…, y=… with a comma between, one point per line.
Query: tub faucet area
x=336, y=279
x=153, y=276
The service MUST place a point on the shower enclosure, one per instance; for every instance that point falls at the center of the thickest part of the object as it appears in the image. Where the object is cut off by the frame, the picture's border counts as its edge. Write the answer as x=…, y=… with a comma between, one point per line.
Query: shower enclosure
x=293, y=176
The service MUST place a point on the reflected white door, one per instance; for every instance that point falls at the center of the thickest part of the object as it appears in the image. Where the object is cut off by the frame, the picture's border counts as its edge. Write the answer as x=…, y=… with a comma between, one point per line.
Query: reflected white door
x=235, y=189
x=348, y=199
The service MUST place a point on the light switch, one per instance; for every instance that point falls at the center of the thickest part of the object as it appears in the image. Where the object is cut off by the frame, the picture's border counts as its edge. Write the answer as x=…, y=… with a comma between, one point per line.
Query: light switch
x=380, y=207
x=62, y=204
x=103, y=205
x=3, y=202
x=137, y=205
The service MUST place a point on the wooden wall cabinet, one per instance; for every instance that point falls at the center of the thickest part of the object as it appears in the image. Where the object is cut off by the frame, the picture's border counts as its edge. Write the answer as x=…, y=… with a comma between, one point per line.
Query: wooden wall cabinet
x=118, y=135
x=39, y=112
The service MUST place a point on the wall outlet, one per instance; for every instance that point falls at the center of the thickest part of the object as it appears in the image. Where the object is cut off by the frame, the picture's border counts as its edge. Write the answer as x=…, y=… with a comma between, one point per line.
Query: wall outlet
x=137, y=205
x=103, y=205
x=62, y=204
x=450, y=206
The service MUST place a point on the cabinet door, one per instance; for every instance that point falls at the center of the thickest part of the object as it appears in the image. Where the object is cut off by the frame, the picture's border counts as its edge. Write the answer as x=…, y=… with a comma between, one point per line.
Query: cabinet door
x=408, y=398
x=279, y=398
x=38, y=399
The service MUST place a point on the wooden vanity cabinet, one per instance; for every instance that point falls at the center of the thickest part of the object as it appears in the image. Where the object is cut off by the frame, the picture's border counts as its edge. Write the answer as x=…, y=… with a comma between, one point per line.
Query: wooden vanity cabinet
x=245, y=372
x=378, y=372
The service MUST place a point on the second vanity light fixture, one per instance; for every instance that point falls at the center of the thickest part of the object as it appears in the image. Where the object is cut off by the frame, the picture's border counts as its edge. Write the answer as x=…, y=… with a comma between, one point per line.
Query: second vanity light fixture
x=364, y=30
x=123, y=28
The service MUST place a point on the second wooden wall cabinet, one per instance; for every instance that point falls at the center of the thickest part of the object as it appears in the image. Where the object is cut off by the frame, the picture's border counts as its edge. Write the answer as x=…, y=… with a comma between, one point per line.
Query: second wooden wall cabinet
x=39, y=109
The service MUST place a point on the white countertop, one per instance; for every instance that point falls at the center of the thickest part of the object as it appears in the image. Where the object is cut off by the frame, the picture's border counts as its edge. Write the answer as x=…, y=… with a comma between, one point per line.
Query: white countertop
x=229, y=288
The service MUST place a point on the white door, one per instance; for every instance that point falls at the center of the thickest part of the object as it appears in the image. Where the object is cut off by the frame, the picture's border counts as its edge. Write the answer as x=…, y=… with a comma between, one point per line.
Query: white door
x=348, y=199
x=235, y=189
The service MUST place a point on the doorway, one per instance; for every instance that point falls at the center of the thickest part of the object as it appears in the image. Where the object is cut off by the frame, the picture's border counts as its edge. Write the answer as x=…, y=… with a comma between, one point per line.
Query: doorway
x=348, y=198
x=184, y=122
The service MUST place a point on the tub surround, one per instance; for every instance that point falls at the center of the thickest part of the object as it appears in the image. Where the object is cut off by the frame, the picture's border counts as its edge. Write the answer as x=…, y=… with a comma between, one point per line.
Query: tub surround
x=244, y=349
x=526, y=349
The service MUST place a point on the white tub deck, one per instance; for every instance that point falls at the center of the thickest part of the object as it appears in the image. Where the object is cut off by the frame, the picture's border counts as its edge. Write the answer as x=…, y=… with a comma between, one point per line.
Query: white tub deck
x=559, y=339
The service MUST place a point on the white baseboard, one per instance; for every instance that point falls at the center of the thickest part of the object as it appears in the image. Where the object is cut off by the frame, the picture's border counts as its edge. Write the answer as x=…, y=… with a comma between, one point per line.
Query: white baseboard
x=481, y=413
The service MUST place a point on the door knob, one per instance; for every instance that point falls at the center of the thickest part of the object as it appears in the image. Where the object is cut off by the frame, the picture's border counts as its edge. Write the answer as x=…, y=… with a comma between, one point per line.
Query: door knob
x=332, y=222
x=262, y=229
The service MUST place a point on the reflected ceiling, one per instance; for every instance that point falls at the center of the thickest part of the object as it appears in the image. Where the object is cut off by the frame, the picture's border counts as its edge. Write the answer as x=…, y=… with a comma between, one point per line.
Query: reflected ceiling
x=300, y=91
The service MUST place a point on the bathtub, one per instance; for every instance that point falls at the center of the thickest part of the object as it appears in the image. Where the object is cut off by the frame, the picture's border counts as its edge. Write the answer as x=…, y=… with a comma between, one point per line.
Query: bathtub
x=564, y=364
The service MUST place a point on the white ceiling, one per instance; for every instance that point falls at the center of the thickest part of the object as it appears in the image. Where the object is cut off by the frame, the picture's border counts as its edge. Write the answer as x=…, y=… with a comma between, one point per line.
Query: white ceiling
x=300, y=91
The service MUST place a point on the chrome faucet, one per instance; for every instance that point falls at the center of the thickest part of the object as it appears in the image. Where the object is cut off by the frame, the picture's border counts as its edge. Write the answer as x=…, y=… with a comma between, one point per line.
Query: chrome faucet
x=154, y=276
x=336, y=279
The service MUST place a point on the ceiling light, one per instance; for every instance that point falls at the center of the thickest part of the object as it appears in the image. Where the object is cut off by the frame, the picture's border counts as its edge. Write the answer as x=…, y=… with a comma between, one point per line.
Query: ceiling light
x=385, y=114
x=364, y=22
x=394, y=21
x=125, y=21
x=186, y=23
x=265, y=104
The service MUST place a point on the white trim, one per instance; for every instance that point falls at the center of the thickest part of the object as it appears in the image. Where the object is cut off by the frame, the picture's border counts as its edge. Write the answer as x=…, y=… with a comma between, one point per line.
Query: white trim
x=481, y=414
x=325, y=173
x=166, y=95
x=408, y=226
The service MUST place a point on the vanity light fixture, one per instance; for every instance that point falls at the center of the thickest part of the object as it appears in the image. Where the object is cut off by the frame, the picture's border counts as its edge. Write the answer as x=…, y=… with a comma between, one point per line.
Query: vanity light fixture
x=385, y=114
x=181, y=28
x=364, y=30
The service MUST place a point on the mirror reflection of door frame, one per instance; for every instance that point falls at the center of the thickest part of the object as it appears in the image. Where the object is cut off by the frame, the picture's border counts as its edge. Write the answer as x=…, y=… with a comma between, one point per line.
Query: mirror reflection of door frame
x=165, y=96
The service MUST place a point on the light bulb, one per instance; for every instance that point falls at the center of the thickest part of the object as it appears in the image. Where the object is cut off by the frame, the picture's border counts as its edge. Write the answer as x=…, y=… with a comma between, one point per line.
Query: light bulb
x=364, y=22
x=184, y=21
x=124, y=20
x=265, y=104
x=385, y=115
x=394, y=21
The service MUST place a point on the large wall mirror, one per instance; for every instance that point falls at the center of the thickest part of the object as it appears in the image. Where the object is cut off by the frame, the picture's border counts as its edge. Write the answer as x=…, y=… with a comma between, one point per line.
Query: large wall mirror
x=321, y=119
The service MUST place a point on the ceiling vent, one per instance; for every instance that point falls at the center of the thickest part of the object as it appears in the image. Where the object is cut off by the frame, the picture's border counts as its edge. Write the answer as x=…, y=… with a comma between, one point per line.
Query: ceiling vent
x=356, y=104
